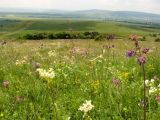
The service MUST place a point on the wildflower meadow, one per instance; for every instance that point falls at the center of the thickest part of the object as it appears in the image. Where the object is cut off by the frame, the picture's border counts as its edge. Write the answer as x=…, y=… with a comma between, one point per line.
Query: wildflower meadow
x=113, y=79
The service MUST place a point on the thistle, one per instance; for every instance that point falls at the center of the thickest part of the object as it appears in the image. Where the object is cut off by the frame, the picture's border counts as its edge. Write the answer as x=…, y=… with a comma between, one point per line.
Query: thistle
x=140, y=54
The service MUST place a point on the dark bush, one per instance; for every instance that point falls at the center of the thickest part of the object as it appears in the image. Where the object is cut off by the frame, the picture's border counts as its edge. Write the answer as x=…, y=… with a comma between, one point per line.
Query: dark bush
x=52, y=36
x=157, y=40
x=35, y=36
x=91, y=35
x=143, y=38
x=153, y=34
x=61, y=35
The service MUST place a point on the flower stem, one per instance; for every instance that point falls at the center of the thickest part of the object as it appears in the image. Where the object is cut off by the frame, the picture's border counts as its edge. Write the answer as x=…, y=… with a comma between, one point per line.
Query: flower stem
x=144, y=77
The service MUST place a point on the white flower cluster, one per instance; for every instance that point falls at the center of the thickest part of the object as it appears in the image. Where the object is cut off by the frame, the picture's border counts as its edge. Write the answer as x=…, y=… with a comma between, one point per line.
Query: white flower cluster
x=87, y=106
x=22, y=61
x=153, y=89
x=52, y=53
x=46, y=73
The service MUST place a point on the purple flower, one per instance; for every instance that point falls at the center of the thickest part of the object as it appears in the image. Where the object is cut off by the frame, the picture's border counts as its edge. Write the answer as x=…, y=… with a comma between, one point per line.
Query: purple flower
x=142, y=60
x=130, y=53
x=145, y=50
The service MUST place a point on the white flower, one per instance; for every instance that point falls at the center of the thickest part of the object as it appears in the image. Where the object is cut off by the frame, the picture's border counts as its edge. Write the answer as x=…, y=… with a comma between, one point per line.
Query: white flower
x=147, y=82
x=22, y=61
x=152, y=90
x=159, y=86
x=87, y=106
x=68, y=118
x=46, y=73
x=52, y=53
x=152, y=80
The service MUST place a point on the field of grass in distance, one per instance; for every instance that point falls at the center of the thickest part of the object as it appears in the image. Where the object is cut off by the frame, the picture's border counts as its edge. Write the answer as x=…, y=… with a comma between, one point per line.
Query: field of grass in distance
x=23, y=26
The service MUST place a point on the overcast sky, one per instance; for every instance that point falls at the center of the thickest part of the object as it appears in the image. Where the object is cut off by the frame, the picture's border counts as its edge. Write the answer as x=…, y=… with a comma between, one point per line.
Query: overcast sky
x=152, y=6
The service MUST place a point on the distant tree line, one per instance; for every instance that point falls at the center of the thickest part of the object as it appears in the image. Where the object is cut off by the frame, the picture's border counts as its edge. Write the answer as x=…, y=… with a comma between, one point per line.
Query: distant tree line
x=64, y=35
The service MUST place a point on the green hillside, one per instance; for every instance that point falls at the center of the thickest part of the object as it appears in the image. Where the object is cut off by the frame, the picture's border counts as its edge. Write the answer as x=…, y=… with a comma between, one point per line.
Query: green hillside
x=13, y=28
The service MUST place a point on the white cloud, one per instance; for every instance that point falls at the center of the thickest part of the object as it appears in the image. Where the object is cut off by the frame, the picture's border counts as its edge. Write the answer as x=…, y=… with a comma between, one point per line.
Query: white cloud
x=132, y=5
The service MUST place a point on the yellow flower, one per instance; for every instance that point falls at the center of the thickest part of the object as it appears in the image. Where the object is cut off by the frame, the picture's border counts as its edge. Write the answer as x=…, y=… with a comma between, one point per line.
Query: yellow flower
x=125, y=75
x=150, y=66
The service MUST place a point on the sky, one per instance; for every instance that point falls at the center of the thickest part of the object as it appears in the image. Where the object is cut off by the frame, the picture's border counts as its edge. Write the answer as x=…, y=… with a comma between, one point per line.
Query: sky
x=151, y=6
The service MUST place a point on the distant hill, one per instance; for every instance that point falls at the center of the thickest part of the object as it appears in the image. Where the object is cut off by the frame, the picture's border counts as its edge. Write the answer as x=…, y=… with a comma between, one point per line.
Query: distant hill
x=83, y=14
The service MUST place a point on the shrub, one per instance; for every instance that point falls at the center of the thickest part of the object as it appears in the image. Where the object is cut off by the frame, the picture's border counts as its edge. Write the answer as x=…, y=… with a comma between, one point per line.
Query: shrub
x=35, y=36
x=99, y=38
x=157, y=40
x=51, y=36
x=143, y=38
x=61, y=35
x=154, y=34
x=91, y=35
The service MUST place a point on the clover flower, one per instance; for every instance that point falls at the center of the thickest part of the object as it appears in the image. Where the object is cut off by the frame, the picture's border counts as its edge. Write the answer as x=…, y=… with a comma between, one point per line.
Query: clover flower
x=46, y=73
x=87, y=106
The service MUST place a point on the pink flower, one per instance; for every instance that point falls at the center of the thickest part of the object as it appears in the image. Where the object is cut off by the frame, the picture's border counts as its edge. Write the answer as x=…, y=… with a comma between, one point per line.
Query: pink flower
x=19, y=98
x=158, y=99
x=145, y=50
x=5, y=84
x=142, y=60
x=116, y=82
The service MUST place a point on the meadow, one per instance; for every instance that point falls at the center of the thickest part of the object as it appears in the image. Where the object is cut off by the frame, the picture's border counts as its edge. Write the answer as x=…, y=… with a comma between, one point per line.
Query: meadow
x=78, y=79
x=13, y=28
x=75, y=71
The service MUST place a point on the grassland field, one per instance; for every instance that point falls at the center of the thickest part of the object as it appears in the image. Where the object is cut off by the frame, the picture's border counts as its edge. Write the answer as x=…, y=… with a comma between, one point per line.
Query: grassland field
x=52, y=79
x=12, y=28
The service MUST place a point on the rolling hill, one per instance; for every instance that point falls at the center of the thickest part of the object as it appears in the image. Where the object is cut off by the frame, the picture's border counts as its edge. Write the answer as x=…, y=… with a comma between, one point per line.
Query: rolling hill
x=83, y=14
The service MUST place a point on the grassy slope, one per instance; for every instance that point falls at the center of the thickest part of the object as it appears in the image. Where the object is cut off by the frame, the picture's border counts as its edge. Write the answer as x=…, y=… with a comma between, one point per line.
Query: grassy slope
x=15, y=29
